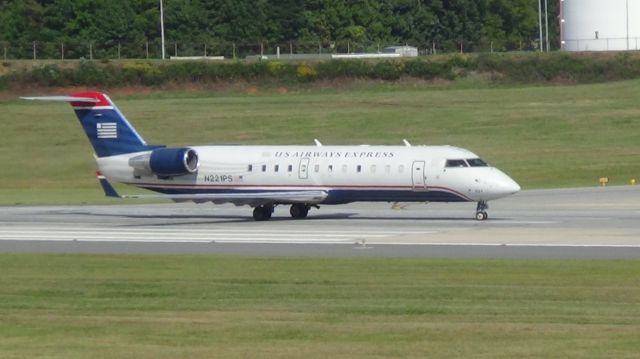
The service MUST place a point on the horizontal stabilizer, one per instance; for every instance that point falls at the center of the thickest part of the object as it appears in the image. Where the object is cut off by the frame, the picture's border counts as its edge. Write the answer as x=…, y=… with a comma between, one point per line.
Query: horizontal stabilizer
x=62, y=99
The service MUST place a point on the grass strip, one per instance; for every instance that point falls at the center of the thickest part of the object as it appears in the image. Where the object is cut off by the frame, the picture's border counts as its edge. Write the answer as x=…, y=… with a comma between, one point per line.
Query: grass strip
x=76, y=306
x=543, y=137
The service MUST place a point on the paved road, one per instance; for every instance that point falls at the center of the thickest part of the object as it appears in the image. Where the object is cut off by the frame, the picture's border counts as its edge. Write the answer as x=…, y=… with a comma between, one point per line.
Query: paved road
x=567, y=223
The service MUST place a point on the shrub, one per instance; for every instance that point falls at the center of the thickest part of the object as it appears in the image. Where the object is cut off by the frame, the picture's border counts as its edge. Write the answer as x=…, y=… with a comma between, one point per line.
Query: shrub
x=88, y=74
x=250, y=70
x=275, y=68
x=141, y=73
x=521, y=68
x=49, y=75
x=427, y=69
x=387, y=70
x=306, y=72
x=343, y=68
x=460, y=61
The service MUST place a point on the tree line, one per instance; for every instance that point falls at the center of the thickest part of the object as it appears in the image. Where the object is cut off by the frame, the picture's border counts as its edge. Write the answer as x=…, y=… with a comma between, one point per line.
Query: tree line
x=447, y=25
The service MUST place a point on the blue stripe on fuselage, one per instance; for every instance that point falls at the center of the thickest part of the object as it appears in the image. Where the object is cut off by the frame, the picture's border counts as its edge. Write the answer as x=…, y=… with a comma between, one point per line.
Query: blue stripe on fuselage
x=338, y=196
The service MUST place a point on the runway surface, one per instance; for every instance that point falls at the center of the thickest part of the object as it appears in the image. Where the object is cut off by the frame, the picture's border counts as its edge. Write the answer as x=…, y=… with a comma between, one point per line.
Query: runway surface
x=599, y=223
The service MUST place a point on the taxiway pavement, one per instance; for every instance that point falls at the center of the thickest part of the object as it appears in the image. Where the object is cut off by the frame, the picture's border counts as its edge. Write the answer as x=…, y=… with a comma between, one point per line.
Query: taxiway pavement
x=560, y=223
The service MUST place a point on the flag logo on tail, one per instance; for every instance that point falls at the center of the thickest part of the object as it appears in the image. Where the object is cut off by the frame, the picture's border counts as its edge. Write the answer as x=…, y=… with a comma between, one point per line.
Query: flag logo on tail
x=107, y=129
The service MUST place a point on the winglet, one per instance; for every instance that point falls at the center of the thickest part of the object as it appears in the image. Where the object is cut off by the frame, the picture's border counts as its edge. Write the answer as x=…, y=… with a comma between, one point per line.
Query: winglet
x=109, y=191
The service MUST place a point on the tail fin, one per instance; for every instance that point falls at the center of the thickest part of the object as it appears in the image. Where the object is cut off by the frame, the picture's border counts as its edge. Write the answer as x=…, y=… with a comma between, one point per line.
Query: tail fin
x=106, y=127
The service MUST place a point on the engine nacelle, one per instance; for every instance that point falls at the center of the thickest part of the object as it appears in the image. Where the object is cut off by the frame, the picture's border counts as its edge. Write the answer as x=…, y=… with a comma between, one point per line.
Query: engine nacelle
x=167, y=162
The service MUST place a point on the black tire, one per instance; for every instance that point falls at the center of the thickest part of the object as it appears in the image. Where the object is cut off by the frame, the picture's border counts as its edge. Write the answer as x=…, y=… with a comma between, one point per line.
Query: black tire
x=481, y=216
x=299, y=211
x=262, y=213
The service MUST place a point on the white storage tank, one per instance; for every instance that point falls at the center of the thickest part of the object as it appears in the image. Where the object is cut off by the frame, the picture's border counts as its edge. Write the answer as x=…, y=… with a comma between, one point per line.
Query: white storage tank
x=600, y=25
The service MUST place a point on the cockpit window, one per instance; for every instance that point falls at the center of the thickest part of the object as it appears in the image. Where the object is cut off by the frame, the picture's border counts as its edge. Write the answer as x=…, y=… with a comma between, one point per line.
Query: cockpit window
x=456, y=163
x=476, y=162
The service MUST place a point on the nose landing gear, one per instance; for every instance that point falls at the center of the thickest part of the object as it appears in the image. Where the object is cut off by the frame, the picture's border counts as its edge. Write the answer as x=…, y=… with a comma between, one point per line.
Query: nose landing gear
x=481, y=213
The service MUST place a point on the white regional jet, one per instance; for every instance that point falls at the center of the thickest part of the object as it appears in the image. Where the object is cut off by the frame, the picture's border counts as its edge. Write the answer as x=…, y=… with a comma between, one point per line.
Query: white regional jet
x=267, y=176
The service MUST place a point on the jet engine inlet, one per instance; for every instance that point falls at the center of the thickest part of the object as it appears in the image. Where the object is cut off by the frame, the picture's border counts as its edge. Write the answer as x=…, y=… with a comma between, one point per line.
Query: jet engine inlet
x=167, y=162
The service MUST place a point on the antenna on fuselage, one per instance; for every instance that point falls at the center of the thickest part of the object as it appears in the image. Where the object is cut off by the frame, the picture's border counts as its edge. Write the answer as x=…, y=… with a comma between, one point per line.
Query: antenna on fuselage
x=317, y=142
x=406, y=143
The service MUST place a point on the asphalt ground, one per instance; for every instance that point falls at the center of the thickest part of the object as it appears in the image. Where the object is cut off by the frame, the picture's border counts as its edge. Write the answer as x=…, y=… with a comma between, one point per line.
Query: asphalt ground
x=582, y=223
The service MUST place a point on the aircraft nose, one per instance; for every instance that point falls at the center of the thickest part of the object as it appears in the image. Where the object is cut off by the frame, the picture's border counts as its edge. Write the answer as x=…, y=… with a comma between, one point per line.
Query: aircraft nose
x=510, y=186
x=506, y=186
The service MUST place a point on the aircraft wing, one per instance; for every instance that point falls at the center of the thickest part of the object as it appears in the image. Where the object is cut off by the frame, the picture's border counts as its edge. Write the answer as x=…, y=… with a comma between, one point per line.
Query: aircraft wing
x=239, y=198
x=253, y=197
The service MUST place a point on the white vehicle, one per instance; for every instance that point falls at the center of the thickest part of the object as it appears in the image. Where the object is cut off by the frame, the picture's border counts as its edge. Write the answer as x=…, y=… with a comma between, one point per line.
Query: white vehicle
x=267, y=176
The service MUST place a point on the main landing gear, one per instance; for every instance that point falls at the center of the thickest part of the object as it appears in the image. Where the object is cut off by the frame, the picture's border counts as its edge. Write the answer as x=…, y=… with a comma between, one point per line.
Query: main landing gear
x=263, y=213
x=481, y=213
x=299, y=210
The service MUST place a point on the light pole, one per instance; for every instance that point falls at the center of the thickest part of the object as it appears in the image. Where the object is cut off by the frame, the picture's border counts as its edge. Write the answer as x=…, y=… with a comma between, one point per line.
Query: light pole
x=540, y=23
x=546, y=24
x=162, y=28
x=627, y=4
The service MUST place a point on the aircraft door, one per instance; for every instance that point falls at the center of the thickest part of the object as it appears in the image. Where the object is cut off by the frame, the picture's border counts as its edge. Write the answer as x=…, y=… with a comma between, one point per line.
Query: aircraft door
x=303, y=169
x=418, y=176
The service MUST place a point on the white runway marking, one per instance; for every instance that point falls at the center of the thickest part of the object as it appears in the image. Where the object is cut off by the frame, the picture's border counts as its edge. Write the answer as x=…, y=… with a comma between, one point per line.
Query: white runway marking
x=105, y=234
x=230, y=235
x=510, y=222
x=549, y=245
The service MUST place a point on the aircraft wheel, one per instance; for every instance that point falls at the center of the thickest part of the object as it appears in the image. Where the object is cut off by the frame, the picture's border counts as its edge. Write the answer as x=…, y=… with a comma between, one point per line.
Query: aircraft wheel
x=262, y=213
x=481, y=211
x=299, y=211
x=481, y=216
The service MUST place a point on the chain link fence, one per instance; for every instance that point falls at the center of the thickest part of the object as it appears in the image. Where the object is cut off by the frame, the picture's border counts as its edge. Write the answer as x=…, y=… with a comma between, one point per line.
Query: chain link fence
x=602, y=44
x=67, y=50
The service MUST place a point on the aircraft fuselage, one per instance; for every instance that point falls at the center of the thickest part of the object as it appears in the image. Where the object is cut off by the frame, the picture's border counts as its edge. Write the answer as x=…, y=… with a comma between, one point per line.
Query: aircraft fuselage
x=347, y=173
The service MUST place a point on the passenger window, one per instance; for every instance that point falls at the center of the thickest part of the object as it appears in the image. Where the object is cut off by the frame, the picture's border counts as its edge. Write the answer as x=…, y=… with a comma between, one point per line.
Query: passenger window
x=456, y=163
x=264, y=168
x=476, y=162
x=276, y=168
x=250, y=168
x=344, y=168
x=290, y=168
x=373, y=168
x=387, y=169
x=330, y=168
x=359, y=168
x=317, y=168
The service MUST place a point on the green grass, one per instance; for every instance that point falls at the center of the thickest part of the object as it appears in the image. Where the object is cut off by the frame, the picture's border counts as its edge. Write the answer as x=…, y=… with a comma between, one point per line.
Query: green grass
x=78, y=306
x=555, y=136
